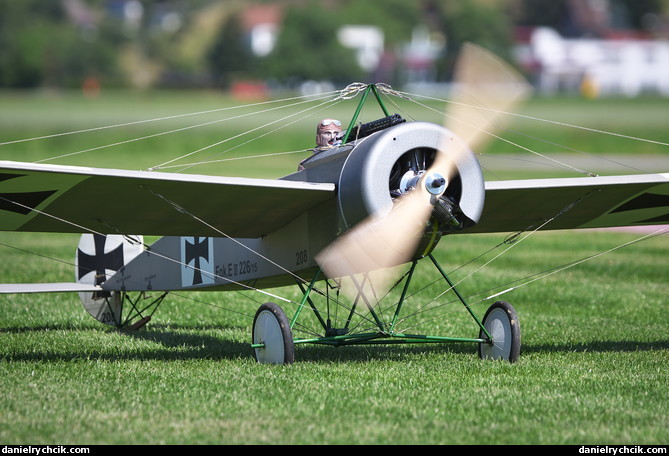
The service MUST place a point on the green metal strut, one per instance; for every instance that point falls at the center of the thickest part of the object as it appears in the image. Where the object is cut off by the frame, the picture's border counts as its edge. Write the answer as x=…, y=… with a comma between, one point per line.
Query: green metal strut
x=305, y=297
x=460, y=297
x=370, y=88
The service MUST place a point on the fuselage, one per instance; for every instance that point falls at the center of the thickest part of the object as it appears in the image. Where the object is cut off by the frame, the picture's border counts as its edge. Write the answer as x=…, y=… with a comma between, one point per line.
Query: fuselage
x=367, y=175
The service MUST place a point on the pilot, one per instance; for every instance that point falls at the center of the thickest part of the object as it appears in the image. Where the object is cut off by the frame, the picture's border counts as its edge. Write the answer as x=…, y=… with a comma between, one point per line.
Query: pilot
x=328, y=135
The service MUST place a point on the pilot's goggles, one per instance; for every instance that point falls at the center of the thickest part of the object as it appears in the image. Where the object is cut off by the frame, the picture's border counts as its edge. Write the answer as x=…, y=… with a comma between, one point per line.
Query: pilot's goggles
x=328, y=122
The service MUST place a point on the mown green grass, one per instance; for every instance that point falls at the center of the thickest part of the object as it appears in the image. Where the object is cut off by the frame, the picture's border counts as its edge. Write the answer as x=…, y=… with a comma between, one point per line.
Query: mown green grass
x=592, y=368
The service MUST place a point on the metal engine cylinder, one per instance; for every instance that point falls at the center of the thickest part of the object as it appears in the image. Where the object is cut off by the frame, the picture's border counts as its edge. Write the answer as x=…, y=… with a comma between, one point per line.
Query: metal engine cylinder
x=375, y=172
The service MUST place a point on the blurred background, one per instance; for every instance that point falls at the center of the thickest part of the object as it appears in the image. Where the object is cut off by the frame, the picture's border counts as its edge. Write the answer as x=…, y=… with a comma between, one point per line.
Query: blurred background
x=593, y=48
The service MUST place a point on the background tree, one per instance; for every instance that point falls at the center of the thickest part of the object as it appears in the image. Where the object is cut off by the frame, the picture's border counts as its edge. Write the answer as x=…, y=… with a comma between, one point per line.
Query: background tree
x=23, y=27
x=229, y=56
x=38, y=46
x=484, y=23
x=42, y=44
x=307, y=48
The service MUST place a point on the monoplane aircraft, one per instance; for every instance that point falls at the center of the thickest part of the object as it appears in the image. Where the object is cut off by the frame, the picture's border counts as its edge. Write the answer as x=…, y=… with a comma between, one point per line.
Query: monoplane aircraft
x=351, y=226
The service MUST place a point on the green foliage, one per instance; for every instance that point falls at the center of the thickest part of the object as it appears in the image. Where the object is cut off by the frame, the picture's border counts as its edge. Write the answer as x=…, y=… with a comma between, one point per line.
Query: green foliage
x=21, y=40
x=485, y=24
x=307, y=48
x=39, y=47
x=229, y=54
x=397, y=18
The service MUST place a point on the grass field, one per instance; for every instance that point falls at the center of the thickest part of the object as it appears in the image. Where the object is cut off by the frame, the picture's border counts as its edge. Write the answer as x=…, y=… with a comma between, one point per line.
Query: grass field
x=593, y=367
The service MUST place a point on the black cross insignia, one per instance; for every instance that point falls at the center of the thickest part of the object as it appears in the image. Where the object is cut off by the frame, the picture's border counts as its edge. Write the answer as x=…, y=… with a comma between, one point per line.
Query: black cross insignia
x=647, y=201
x=99, y=261
x=198, y=249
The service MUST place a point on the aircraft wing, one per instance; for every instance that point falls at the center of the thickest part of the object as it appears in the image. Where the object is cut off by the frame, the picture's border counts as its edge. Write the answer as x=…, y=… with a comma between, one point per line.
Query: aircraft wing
x=69, y=199
x=570, y=203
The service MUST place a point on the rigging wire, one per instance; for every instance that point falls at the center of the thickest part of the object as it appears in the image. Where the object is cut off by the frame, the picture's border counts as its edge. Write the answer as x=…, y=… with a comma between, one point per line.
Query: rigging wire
x=70, y=263
x=521, y=282
x=283, y=125
x=566, y=165
x=248, y=157
x=182, y=210
x=554, y=122
x=148, y=249
x=176, y=130
x=656, y=233
x=512, y=242
x=157, y=119
x=349, y=92
x=299, y=279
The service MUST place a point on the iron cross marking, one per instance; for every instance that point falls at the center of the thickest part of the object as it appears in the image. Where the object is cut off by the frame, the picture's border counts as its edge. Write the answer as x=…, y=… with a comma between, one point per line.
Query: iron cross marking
x=648, y=201
x=198, y=249
x=100, y=260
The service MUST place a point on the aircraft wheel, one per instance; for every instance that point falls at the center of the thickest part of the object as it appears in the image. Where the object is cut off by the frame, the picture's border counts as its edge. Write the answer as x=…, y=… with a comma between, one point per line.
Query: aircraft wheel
x=501, y=321
x=272, y=328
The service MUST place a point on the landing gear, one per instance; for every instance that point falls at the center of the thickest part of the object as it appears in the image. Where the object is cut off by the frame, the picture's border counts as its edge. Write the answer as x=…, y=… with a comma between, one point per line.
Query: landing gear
x=362, y=321
x=501, y=323
x=272, y=336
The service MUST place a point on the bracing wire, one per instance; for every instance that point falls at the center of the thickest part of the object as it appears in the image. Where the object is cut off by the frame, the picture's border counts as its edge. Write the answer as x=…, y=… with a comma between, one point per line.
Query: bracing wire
x=283, y=103
x=349, y=92
x=554, y=122
x=282, y=124
x=167, y=132
x=165, y=257
x=157, y=119
x=447, y=307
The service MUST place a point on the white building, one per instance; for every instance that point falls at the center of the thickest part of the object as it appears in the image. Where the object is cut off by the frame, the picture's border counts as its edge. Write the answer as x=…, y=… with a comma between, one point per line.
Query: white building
x=599, y=67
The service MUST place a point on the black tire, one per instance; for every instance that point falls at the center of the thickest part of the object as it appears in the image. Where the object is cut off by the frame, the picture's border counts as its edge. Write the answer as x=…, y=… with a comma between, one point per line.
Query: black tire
x=272, y=328
x=501, y=321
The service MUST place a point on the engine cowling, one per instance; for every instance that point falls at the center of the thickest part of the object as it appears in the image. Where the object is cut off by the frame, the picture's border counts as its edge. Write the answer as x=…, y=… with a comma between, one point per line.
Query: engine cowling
x=387, y=164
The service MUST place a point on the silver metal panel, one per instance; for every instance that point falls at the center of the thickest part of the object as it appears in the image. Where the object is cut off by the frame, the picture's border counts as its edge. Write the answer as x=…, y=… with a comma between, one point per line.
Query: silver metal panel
x=215, y=263
x=363, y=184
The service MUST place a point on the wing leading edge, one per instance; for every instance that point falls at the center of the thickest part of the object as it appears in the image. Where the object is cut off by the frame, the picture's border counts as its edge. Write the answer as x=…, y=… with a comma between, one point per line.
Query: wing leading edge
x=78, y=199
x=571, y=203
x=69, y=199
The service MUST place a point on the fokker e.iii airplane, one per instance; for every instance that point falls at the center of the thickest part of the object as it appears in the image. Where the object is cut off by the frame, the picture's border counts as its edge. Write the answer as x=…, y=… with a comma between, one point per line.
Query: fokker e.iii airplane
x=383, y=198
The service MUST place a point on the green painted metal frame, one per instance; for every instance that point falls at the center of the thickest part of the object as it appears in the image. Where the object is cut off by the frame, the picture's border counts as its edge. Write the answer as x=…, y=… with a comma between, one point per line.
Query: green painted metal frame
x=370, y=88
x=386, y=333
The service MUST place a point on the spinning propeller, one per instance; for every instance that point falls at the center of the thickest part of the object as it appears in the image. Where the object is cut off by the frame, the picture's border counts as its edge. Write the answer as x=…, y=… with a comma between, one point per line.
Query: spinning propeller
x=484, y=89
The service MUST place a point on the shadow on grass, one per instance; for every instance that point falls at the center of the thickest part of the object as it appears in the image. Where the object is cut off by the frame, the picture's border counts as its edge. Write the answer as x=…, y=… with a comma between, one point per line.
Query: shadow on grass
x=600, y=346
x=170, y=343
x=176, y=342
